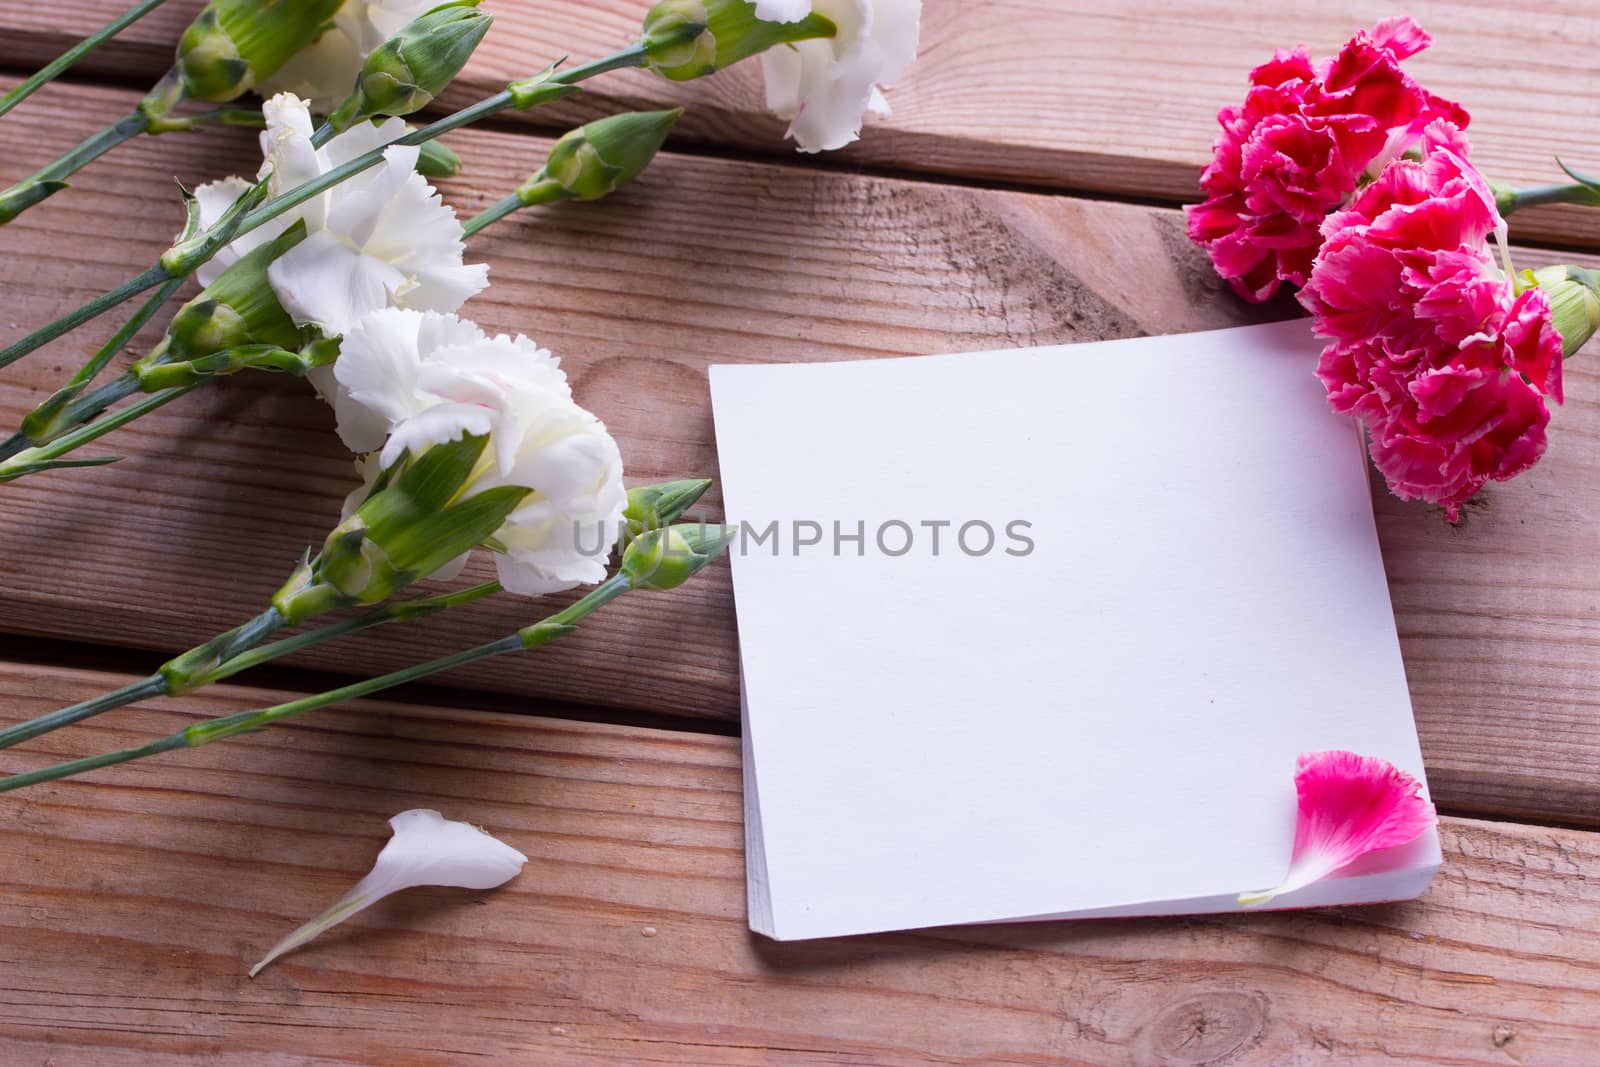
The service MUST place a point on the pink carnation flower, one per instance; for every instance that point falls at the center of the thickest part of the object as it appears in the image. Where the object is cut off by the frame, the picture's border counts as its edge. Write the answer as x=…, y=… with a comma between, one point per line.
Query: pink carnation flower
x=1432, y=348
x=1297, y=147
x=1349, y=806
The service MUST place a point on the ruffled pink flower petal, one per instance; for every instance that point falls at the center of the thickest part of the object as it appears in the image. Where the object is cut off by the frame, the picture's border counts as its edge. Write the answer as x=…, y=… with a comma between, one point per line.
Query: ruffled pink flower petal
x=1297, y=149
x=1431, y=346
x=1350, y=805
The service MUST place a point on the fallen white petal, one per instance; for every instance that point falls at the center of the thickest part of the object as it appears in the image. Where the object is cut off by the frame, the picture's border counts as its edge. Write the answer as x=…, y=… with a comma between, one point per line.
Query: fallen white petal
x=426, y=849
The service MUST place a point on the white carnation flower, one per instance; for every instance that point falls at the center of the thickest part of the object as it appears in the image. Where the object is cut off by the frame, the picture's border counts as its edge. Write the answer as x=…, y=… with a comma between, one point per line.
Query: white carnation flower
x=382, y=238
x=825, y=86
x=409, y=380
x=324, y=72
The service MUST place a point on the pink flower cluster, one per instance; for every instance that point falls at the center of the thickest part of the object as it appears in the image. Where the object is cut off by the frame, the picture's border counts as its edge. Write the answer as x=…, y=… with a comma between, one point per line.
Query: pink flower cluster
x=1297, y=147
x=1432, y=347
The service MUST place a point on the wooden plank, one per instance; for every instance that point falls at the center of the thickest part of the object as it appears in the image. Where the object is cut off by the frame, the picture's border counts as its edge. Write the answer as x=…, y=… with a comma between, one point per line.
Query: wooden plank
x=134, y=902
x=1061, y=93
x=709, y=261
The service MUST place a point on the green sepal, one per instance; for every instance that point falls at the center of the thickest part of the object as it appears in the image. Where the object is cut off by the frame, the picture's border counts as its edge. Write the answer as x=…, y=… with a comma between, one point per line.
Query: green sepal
x=433, y=479
x=20, y=197
x=651, y=507
x=11, y=473
x=741, y=35
x=422, y=547
x=156, y=376
x=194, y=247
x=687, y=39
x=1574, y=296
x=415, y=524
x=541, y=633
x=43, y=423
x=540, y=89
x=305, y=596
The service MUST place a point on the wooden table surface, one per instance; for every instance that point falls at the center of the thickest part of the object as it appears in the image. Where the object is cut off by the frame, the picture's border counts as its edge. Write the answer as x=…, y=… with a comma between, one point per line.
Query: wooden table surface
x=1023, y=192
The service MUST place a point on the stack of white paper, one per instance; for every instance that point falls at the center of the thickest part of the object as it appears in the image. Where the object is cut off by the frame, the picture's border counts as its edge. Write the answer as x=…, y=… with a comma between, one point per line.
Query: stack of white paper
x=1098, y=713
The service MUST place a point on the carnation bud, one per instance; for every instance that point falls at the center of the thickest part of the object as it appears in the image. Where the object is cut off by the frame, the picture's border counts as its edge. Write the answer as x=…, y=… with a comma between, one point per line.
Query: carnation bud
x=233, y=44
x=651, y=507
x=436, y=160
x=668, y=557
x=686, y=39
x=1574, y=295
x=237, y=309
x=407, y=71
x=591, y=161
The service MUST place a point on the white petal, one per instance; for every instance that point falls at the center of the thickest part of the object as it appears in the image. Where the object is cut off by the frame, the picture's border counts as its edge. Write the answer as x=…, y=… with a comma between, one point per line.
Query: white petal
x=378, y=360
x=357, y=214
x=361, y=428
x=286, y=142
x=825, y=86
x=368, y=467
x=323, y=73
x=324, y=281
x=374, y=21
x=452, y=569
x=782, y=67
x=360, y=139
x=436, y=426
x=834, y=96
x=782, y=10
x=426, y=849
x=438, y=332
x=378, y=367
x=524, y=574
x=215, y=198
x=561, y=535
x=896, y=28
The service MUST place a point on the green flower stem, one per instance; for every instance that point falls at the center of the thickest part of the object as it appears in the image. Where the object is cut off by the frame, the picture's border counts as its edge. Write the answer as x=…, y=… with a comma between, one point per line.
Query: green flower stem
x=400, y=611
x=1509, y=200
x=542, y=193
x=158, y=684
x=47, y=457
x=98, y=306
x=202, y=733
x=632, y=56
x=119, y=340
x=239, y=650
x=177, y=266
x=50, y=71
x=63, y=410
x=52, y=177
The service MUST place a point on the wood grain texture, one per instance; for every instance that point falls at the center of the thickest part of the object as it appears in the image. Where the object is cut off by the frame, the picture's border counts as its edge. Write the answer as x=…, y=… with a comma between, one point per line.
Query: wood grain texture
x=1061, y=93
x=707, y=261
x=132, y=903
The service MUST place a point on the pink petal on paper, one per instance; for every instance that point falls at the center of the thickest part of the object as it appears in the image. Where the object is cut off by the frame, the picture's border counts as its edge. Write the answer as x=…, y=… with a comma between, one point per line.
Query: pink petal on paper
x=1350, y=805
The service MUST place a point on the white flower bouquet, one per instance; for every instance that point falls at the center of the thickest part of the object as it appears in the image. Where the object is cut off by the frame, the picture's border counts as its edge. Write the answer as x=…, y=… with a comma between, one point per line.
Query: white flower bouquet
x=339, y=262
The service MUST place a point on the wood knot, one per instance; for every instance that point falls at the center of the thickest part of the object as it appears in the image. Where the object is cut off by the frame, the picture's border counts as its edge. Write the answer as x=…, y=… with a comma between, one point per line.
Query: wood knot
x=1205, y=1030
